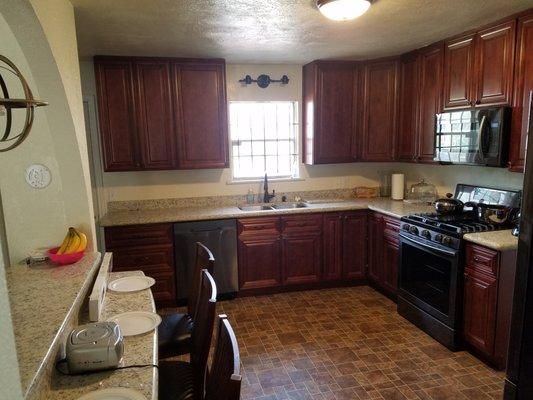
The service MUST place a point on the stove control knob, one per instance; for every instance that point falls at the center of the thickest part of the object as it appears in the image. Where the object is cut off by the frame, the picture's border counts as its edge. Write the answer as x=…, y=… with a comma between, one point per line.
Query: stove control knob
x=438, y=237
x=427, y=234
x=446, y=240
x=413, y=230
x=406, y=227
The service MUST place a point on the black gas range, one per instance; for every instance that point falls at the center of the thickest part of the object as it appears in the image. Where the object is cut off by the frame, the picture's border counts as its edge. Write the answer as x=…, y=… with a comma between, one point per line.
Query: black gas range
x=431, y=267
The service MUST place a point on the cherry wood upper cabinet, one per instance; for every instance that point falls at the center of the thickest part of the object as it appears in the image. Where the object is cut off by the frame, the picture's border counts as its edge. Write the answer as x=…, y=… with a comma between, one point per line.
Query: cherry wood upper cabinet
x=330, y=98
x=430, y=95
x=459, y=72
x=408, y=119
x=379, y=110
x=162, y=113
x=495, y=55
x=114, y=84
x=201, y=115
x=155, y=122
x=523, y=85
x=478, y=68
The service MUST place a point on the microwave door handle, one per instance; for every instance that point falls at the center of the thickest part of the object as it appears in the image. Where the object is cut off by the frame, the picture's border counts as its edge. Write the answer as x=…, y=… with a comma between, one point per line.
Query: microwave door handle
x=481, y=136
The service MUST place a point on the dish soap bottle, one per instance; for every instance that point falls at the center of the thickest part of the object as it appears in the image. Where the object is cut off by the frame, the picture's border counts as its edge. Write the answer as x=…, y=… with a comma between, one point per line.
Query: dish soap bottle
x=250, y=196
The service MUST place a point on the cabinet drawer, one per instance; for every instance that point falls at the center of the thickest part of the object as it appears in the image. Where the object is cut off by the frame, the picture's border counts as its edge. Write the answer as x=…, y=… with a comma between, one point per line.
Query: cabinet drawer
x=144, y=258
x=392, y=225
x=481, y=259
x=138, y=235
x=258, y=226
x=301, y=223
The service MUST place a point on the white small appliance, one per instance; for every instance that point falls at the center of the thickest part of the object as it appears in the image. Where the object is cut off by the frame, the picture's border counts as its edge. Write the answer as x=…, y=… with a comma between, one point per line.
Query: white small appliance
x=93, y=347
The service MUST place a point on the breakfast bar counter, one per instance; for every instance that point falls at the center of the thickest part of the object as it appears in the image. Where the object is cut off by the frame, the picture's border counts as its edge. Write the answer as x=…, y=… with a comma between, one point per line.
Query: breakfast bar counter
x=139, y=351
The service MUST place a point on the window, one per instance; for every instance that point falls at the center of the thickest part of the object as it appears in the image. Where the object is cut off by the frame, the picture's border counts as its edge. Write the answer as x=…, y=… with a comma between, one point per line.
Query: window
x=264, y=139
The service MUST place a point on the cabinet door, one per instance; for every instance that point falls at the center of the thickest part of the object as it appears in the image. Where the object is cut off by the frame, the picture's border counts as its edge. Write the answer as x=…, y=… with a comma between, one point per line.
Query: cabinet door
x=200, y=97
x=480, y=297
x=459, y=72
x=114, y=86
x=375, y=248
x=390, y=264
x=379, y=111
x=495, y=60
x=522, y=89
x=408, y=127
x=335, y=113
x=354, y=245
x=259, y=262
x=333, y=246
x=301, y=258
x=154, y=115
x=430, y=97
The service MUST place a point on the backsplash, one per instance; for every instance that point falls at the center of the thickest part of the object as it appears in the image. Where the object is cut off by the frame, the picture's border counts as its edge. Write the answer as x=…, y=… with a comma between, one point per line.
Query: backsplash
x=222, y=201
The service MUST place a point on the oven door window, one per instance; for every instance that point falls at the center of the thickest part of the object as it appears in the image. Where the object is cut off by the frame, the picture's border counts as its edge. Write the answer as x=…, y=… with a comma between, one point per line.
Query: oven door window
x=426, y=276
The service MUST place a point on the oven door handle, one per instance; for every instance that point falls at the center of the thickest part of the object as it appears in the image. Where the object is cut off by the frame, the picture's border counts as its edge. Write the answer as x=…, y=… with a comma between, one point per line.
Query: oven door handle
x=448, y=253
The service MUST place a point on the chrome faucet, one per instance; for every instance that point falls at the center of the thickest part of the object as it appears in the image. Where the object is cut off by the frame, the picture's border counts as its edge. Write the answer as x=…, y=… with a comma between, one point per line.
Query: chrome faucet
x=267, y=196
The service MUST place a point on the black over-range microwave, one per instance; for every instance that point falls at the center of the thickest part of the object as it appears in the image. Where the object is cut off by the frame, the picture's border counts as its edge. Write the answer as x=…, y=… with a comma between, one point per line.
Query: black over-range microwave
x=473, y=136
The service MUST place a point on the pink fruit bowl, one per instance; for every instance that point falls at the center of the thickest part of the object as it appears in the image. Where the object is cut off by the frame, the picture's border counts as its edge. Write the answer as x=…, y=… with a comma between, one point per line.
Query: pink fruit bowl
x=64, y=259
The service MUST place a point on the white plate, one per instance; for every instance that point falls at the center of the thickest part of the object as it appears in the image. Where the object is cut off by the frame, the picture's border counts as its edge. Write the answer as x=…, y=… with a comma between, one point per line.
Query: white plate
x=136, y=322
x=116, y=393
x=131, y=284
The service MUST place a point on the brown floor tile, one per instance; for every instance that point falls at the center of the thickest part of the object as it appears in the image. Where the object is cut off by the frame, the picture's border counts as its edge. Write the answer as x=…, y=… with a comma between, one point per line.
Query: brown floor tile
x=347, y=343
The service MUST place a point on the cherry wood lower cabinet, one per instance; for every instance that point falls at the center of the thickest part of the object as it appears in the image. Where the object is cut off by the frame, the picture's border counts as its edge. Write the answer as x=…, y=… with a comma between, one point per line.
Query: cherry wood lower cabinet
x=148, y=248
x=345, y=246
x=305, y=250
x=383, y=251
x=488, y=291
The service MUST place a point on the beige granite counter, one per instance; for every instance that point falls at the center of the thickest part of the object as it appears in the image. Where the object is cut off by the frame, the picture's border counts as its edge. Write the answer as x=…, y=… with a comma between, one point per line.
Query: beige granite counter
x=138, y=350
x=387, y=206
x=43, y=299
x=498, y=240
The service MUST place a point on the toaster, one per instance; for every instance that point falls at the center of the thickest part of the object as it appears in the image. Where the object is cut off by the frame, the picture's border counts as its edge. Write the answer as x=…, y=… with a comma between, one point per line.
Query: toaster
x=93, y=347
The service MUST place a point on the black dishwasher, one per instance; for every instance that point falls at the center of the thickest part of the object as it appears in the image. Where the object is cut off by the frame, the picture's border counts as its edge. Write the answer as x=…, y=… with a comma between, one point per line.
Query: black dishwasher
x=220, y=236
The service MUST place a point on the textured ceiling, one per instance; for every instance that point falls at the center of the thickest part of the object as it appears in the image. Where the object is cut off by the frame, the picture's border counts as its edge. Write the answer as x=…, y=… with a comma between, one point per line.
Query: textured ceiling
x=273, y=31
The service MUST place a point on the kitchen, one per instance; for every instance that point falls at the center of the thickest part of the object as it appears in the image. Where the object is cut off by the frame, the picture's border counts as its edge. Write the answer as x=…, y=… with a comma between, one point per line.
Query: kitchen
x=313, y=166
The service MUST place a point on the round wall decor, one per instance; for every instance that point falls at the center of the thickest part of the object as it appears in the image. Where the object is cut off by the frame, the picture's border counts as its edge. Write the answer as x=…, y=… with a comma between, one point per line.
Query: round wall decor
x=38, y=176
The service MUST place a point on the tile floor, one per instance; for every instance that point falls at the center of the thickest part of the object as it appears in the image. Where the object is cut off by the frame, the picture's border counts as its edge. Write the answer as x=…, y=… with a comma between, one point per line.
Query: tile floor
x=347, y=343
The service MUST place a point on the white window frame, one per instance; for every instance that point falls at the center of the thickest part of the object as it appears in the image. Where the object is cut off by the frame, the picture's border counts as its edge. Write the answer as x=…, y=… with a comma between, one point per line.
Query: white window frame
x=296, y=140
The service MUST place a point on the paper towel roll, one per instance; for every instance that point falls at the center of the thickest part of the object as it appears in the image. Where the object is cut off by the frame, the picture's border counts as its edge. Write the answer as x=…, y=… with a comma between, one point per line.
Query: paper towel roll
x=397, y=183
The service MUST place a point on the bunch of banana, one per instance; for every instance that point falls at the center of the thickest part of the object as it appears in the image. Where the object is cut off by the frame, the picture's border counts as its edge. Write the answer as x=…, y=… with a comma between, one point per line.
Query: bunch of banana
x=74, y=242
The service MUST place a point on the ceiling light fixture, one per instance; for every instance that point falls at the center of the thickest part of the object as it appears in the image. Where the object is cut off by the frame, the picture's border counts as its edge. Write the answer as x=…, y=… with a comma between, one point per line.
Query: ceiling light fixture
x=343, y=10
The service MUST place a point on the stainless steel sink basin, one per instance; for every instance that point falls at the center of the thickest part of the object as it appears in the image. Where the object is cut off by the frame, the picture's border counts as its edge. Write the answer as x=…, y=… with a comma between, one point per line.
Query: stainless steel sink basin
x=259, y=207
x=287, y=206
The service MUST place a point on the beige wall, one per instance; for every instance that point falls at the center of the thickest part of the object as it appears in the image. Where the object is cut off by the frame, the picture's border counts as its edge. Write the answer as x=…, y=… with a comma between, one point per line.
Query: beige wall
x=169, y=184
x=42, y=42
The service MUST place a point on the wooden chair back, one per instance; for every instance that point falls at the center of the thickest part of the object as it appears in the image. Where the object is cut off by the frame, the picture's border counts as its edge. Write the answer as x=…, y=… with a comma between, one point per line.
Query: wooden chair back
x=224, y=380
x=202, y=331
x=204, y=260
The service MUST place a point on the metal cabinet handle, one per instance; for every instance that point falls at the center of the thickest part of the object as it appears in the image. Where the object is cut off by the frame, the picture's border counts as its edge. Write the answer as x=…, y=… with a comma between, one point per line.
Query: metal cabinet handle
x=476, y=258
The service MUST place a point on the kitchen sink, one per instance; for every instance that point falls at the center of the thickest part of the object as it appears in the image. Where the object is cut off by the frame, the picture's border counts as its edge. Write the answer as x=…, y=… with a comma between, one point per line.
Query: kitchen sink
x=287, y=206
x=259, y=207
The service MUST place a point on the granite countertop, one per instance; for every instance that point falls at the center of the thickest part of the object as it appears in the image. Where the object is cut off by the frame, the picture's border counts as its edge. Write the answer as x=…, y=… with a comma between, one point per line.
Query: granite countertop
x=138, y=350
x=497, y=240
x=387, y=206
x=42, y=299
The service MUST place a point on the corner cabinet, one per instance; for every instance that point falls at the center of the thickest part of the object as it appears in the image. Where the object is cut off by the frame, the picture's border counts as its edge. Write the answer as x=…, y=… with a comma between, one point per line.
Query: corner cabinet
x=379, y=93
x=149, y=248
x=523, y=85
x=161, y=113
x=329, y=112
x=479, y=67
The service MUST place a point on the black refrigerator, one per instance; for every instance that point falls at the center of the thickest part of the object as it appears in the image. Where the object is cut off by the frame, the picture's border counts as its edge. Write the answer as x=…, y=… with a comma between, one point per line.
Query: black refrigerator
x=519, y=380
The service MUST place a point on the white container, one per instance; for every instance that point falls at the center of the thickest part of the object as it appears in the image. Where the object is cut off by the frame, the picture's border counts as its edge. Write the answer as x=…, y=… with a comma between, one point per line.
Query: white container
x=397, y=186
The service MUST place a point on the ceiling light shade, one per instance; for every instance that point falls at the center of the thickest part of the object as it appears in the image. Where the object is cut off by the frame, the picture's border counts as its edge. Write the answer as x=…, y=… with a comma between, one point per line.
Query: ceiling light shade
x=343, y=10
